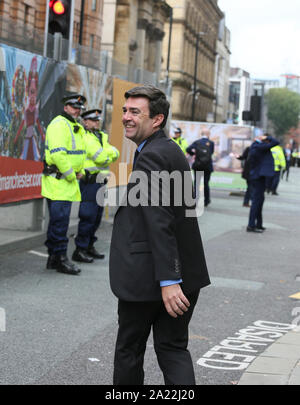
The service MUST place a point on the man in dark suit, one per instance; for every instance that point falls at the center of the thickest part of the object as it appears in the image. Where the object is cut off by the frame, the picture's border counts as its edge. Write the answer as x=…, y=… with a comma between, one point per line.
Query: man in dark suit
x=261, y=163
x=157, y=262
x=203, y=142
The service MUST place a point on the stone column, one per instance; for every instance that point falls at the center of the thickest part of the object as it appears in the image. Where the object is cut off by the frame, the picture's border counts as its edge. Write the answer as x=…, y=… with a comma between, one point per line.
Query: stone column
x=155, y=50
x=141, y=46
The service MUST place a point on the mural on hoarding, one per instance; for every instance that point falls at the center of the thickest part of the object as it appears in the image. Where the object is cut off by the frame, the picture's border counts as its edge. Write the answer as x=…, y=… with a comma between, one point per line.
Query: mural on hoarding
x=22, y=134
x=229, y=140
x=24, y=117
x=31, y=89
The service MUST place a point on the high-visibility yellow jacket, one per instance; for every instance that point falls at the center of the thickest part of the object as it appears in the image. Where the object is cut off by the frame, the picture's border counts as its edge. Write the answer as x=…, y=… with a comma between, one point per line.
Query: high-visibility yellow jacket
x=279, y=158
x=100, y=154
x=64, y=148
x=182, y=143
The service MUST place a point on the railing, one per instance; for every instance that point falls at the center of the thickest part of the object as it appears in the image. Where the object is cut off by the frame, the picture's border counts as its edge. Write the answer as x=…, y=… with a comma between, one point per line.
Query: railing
x=32, y=40
x=21, y=36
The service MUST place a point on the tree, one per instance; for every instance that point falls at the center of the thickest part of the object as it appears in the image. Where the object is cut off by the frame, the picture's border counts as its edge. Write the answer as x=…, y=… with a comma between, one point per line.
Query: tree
x=283, y=110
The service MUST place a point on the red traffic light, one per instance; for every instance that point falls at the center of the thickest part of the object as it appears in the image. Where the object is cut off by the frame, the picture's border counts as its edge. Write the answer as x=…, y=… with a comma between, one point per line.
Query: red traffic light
x=58, y=7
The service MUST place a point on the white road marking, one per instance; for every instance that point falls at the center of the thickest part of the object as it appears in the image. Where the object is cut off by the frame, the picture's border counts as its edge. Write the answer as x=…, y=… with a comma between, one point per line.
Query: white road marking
x=34, y=252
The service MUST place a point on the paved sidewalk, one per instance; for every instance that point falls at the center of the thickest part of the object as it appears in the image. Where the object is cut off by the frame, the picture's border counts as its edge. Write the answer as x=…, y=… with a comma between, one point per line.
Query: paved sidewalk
x=278, y=365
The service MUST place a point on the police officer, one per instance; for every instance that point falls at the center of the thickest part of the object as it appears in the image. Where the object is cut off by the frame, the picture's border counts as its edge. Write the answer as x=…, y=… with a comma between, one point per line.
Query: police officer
x=99, y=155
x=261, y=167
x=181, y=142
x=65, y=155
x=279, y=165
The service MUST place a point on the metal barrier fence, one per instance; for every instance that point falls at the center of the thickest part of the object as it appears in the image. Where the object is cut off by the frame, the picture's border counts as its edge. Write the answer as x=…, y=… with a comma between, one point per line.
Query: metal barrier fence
x=25, y=37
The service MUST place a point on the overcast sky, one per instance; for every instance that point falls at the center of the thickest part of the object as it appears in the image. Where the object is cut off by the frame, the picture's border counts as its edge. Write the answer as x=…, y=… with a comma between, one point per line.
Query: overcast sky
x=265, y=36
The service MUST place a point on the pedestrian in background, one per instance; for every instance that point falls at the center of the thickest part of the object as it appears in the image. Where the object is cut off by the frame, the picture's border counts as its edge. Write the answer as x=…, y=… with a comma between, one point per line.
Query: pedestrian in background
x=245, y=175
x=64, y=159
x=100, y=154
x=157, y=263
x=261, y=167
x=203, y=150
x=181, y=142
x=279, y=165
x=288, y=158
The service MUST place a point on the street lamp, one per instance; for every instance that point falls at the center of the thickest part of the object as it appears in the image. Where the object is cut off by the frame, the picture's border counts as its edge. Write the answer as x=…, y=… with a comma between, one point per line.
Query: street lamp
x=195, y=91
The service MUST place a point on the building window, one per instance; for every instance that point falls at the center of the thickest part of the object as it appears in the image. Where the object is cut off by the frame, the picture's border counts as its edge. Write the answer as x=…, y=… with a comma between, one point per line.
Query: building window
x=92, y=40
x=26, y=14
x=94, y=5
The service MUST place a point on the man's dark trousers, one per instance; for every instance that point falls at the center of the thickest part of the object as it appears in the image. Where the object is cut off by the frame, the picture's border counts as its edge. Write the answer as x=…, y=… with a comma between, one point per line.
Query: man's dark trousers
x=206, y=180
x=258, y=197
x=170, y=336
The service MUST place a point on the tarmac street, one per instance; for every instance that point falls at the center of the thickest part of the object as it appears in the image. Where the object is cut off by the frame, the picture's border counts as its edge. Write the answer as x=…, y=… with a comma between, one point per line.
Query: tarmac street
x=59, y=329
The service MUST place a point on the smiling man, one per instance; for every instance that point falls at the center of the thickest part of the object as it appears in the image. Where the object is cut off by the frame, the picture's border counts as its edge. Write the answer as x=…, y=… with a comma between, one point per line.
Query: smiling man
x=157, y=262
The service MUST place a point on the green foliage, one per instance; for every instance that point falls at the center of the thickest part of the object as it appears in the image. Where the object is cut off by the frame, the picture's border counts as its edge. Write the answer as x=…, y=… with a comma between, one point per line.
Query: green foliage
x=283, y=109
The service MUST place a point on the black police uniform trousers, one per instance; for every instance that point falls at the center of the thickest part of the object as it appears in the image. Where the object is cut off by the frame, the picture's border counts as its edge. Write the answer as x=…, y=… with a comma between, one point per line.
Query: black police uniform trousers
x=90, y=215
x=59, y=218
x=170, y=337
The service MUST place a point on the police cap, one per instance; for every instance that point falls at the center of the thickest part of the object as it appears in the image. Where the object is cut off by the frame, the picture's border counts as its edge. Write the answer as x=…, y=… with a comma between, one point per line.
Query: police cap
x=75, y=100
x=94, y=115
x=177, y=131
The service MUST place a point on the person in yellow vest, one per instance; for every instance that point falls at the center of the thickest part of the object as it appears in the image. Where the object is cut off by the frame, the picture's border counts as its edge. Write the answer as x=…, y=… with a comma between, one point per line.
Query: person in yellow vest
x=181, y=142
x=279, y=164
x=65, y=155
x=295, y=158
x=100, y=154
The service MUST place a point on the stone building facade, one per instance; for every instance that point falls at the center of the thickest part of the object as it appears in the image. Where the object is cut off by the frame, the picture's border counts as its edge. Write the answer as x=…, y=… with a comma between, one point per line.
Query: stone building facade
x=222, y=76
x=195, y=23
x=134, y=37
x=27, y=19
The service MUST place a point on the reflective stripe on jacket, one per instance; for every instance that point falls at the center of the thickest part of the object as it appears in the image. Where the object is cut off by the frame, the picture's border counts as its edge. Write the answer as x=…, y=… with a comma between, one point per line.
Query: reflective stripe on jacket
x=100, y=154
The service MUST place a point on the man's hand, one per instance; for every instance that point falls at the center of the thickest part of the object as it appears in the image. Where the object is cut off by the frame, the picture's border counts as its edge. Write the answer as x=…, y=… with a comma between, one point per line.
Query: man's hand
x=175, y=301
x=79, y=176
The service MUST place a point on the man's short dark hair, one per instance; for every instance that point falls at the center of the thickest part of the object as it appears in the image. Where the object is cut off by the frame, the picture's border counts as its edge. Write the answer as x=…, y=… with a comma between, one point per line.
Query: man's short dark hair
x=158, y=103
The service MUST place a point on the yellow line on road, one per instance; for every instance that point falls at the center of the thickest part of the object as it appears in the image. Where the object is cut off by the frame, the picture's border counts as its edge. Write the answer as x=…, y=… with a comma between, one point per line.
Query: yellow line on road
x=296, y=296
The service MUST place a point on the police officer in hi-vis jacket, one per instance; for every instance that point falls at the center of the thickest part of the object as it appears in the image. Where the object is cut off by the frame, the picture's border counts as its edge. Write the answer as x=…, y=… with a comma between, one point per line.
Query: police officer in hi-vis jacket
x=100, y=154
x=65, y=154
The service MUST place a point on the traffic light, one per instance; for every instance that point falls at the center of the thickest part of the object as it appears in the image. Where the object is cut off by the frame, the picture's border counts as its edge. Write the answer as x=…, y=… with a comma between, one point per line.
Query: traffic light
x=59, y=17
x=247, y=116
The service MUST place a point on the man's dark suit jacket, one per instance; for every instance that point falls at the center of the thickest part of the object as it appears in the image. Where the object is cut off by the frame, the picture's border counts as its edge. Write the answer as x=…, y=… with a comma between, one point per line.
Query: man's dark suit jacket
x=261, y=158
x=154, y=243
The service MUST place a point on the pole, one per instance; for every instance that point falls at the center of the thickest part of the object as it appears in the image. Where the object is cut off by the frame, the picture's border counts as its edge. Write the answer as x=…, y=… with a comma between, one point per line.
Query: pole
x=169, y=45
x=71, y=30
x=195, y=78
x=80, y=30
x=46, y=30
x=81, y=22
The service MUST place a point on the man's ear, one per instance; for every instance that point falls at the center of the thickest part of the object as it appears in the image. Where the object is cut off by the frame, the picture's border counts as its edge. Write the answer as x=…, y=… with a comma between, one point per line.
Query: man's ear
x=158, y=120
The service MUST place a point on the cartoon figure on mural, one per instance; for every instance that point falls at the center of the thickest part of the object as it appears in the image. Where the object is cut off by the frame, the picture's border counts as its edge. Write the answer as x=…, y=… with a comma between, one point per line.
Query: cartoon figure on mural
x=31, y=147
x=19, y=99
